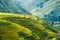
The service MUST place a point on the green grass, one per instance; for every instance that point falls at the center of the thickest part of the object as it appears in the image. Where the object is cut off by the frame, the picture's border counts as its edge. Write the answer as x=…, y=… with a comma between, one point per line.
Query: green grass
x=22, y=28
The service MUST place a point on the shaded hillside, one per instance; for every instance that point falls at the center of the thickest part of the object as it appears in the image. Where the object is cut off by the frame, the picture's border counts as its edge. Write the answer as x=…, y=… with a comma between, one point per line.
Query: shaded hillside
x=9, y=6
x=26, y=27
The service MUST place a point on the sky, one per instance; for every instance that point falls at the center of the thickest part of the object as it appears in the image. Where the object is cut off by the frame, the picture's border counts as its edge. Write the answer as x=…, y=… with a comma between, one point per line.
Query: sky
x=38, y=7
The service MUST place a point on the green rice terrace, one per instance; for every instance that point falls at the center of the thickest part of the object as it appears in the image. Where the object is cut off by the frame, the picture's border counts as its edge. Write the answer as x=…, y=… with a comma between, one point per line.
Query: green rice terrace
x=26, y=27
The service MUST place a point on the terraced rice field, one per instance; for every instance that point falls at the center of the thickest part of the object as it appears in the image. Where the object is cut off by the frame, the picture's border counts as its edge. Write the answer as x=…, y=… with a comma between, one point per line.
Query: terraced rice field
x=23, y=27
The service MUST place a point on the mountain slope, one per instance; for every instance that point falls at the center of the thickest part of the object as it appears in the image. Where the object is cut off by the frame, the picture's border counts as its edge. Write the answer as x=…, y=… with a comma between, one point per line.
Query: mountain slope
x=26, y=27
x=9, y=6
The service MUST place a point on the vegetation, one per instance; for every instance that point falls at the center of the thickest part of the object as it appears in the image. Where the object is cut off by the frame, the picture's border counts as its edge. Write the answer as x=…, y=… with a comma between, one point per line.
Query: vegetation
x=16, y=27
